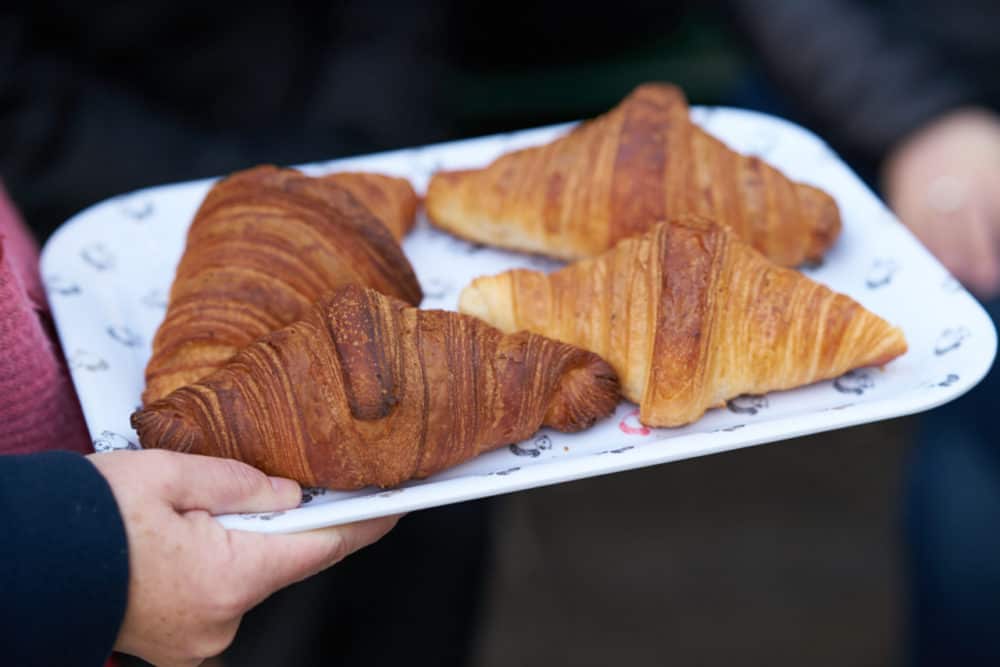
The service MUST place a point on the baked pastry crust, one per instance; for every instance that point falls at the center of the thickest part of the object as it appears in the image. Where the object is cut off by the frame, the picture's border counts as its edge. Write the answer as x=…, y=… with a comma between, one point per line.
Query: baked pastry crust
x=642, y=163
x=263, y=246
x=368, y=390
x=690, y=316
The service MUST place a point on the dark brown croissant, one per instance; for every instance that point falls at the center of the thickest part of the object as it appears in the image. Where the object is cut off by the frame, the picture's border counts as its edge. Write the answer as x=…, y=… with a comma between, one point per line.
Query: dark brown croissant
x=264, y=245
x=690, y=316
x=642, y=163
x=366, y=390
x=390, y=199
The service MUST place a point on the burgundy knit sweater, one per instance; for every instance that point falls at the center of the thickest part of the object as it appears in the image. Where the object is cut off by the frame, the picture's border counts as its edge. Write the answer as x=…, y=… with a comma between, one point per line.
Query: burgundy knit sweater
x=38, y=408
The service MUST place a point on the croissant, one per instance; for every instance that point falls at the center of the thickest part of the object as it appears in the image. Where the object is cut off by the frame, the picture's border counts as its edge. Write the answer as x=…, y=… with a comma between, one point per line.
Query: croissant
x=390, y=199
x=263, y=246
x=690, y=316
x=367, y=390
x=642, y=163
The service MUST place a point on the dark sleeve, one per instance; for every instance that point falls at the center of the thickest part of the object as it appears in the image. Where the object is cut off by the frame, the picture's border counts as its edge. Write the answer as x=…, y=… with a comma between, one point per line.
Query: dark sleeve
x=63, y=562
x=862, y=80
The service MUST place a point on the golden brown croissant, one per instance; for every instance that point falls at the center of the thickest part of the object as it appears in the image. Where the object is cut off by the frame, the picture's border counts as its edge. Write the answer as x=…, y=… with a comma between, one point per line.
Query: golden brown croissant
x=642, y=163
x=367, y=390
x=690, y=316
x=391, y=200
x=264, y=245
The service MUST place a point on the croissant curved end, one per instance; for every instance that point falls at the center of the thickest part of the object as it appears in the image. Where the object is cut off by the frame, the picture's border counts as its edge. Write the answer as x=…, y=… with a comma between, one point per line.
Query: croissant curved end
x=587, y=391
x=823, y=209
x=161, y=426
x=892, y=345
x=439, y=201
x=449, y=177
x=659, y=91
x=441, y=182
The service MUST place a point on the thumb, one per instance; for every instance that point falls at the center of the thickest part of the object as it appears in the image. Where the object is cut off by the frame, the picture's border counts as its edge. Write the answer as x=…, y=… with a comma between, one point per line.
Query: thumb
x=981, y=267
x=272, y=562
x=218, y=486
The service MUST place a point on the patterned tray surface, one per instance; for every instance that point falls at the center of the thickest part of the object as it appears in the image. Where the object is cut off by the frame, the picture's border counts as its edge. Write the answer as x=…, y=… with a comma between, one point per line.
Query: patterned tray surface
x=108, y=271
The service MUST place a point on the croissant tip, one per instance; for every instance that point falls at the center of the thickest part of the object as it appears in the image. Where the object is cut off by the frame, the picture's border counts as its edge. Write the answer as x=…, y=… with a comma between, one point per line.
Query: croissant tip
x=146, y=423
x=447, y=178
x=895, y=342
x=472, y=300
x=586, y=393
x=825, y=214
x=659, y=89
x=161, y=426
x=487, y=298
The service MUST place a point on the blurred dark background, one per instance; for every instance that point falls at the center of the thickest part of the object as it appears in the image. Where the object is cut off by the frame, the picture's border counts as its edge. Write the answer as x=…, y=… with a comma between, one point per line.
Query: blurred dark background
x=788, y=554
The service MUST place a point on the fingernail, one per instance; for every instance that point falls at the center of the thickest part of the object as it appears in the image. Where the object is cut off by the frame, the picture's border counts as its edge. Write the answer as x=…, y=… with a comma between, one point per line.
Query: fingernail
x=285, y=487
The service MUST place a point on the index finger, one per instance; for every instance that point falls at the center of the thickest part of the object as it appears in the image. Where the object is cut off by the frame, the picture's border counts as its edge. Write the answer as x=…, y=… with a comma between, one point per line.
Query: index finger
x=220, y=485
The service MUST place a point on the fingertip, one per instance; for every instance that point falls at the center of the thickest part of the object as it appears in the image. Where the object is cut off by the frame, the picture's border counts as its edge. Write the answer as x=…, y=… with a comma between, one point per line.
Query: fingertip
x=389, y=522
x=363, y=533
x=295, y=556
x=990, y=275
x=287, y=490
x=985, y=284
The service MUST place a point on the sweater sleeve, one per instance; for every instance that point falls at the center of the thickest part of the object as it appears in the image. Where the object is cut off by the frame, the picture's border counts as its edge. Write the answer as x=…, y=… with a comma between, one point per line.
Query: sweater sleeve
x=64, y=580
x=860, y=79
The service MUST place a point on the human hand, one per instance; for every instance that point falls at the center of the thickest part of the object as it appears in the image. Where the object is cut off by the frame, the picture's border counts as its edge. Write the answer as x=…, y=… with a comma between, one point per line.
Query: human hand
x=191, y=580
x=944, y=183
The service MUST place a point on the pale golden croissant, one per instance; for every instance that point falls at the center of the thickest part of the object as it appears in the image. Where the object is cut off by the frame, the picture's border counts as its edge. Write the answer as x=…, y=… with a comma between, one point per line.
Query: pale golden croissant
x=264, y=245
x=367, y=390
x=690, y=316
x=642, y=163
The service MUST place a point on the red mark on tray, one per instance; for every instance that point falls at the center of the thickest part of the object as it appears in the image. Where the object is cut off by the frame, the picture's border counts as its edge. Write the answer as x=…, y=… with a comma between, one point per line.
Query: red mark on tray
x=630, y=424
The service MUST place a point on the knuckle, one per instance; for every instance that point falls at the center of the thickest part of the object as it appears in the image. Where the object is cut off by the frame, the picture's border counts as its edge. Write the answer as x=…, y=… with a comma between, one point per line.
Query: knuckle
x=340, y=548
x=165, y=466
x=214, y=642
x=161, y=460
x=184, y=660
x=229, y=596
x=234, y=605
x=228, y=603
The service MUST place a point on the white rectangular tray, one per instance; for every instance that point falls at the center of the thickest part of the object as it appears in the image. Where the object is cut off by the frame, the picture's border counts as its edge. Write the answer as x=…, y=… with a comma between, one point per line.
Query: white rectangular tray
x=108, y=271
